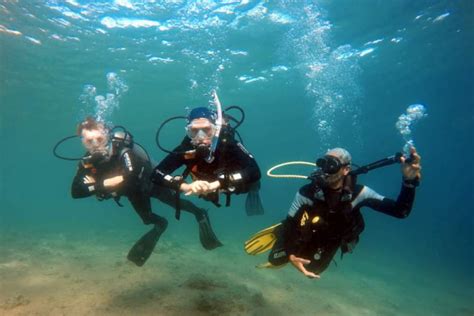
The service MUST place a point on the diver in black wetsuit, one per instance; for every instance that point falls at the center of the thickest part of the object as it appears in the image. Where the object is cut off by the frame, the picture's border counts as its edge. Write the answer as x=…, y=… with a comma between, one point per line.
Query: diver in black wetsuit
x=117, y=167
x=325, y=215
x=229, y=169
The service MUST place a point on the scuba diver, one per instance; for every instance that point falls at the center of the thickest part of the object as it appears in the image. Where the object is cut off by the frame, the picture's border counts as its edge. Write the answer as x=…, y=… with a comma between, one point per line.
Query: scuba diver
x=216, y=161
x=116, y=166
x=326, y=214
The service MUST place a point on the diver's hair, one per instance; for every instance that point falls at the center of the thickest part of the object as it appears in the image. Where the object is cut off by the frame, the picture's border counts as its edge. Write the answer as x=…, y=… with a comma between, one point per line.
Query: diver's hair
x=89, y=123
x=341, y=153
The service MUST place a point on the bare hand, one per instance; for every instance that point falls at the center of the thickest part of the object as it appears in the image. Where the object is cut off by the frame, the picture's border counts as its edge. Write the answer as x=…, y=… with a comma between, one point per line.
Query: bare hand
x=214, y=186
x=89, y=180
x=111, y=182
x=299, y=264
x=411, y=170
x=197, y=187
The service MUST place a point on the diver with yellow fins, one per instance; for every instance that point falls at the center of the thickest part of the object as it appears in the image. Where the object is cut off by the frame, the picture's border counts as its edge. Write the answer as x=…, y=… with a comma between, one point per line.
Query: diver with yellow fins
x=326, y=214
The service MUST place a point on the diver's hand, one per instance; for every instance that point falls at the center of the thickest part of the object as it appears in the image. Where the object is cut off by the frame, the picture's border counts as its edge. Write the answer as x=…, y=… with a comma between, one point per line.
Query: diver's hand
x=89, y=180
x=214, y=186
x=197, y=187
x=299, y=264
x=185, y=188
x=411, y=170
x=111, y=182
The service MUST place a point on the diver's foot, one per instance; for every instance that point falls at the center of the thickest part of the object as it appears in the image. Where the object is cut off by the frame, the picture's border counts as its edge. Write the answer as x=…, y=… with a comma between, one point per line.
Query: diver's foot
x=206, y=235
x=143, y=248
x=253, y=204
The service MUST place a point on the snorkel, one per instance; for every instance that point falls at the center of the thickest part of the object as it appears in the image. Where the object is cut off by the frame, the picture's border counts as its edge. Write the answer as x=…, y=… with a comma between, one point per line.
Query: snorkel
x=219, y=121
x=390, y=160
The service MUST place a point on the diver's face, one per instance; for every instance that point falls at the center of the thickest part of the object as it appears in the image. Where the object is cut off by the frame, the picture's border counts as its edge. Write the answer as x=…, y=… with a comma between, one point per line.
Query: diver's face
x=95, y=140
x=201, y=131
x=335, y=180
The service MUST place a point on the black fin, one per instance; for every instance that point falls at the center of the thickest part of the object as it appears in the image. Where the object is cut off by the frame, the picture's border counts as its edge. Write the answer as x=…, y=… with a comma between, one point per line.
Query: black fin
x=253, y=204
x=143, y=248
x=206, y=235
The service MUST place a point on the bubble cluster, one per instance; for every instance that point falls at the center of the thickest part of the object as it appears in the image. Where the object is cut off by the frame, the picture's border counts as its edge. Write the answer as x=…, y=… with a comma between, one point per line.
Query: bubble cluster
x=414, y=113
x=329, y=72
x=102, y=106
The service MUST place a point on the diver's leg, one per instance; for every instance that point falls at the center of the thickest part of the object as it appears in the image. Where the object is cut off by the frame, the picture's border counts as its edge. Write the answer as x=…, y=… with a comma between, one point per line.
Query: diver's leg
x=143, y=248
x=278, y=255
x=206, y=235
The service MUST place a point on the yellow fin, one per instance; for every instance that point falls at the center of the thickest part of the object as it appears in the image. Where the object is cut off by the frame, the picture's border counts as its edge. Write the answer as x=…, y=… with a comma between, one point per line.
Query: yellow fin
x=268, y=265
x=261, y=241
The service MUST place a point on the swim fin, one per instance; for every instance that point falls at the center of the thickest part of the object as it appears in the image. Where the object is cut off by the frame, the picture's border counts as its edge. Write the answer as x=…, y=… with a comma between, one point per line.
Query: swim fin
x=263, y=240
x=143, y=248
x=206, y=235
x=268, y=265
x=253, y=204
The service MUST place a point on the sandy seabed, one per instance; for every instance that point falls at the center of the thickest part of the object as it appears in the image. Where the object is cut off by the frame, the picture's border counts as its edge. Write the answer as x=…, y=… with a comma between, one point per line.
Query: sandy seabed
x=60, y=274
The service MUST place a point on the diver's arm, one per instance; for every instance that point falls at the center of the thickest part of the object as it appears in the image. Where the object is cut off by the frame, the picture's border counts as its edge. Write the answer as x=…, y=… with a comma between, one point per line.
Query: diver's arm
x=248, y=173
x=162, y=174
x=83, y=184
x=399, y=208
x=132, y=171
x=302, y=198
x=290, y=238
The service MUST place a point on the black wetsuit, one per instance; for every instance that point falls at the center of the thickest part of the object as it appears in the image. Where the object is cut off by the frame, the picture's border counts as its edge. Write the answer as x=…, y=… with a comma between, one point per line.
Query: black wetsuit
x=233, y=166
x=135, y=168
x=320, y=222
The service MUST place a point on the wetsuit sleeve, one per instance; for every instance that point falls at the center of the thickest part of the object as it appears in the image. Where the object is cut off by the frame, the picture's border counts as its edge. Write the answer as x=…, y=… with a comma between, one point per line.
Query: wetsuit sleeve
x=302, y=197
x=79, y=189
x=243, y=170
x=133, y=169
x=399, y=208
x=162, y=174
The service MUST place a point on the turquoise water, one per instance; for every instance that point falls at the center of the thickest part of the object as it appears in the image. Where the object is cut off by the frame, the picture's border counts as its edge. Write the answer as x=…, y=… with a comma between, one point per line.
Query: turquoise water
x=310, y=75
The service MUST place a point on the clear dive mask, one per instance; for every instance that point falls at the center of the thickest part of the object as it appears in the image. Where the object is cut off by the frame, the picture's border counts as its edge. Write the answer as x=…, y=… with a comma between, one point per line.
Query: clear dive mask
x=200, y=132
x=95, y=140
x=97, y=144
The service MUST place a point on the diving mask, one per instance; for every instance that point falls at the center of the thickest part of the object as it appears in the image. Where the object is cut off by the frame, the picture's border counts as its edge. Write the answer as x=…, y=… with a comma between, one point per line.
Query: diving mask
x=94, y=140
x=330, y=164
x=200, y=131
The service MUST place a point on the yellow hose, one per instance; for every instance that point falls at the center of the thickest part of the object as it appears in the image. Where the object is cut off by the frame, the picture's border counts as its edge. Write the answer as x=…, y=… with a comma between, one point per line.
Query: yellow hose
x=289, y=176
